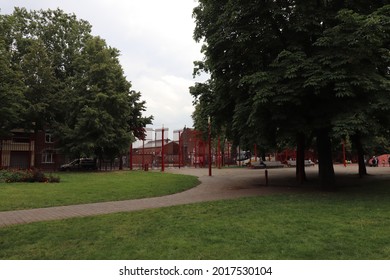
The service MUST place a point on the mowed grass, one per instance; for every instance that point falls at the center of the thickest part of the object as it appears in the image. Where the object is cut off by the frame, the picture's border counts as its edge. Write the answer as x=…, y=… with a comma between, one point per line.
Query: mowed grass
x=78, y=188
x=351, y=224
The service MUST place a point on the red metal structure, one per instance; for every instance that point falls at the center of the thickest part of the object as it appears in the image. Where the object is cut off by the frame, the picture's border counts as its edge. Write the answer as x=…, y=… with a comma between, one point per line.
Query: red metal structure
x=189, y=148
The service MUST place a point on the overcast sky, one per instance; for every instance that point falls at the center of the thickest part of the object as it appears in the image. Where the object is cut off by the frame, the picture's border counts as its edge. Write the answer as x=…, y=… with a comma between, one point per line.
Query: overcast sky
x=156, y=45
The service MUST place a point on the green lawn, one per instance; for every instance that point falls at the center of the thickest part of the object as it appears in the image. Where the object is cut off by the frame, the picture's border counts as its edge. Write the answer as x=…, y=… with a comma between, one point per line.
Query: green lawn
x=351, y=224
x=77, y=188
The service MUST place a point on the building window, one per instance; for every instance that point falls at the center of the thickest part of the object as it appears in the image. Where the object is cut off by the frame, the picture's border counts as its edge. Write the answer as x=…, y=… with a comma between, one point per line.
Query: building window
x=48, y=156
x=48, y=138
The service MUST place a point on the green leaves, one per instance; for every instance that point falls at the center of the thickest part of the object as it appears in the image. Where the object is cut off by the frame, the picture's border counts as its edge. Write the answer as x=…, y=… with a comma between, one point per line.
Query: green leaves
x=294, y=65
x=12, y=105
x=66, y=79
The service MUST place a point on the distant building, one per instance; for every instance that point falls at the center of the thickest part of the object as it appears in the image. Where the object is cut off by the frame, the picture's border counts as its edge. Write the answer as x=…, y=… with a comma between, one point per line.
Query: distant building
x=151, y=153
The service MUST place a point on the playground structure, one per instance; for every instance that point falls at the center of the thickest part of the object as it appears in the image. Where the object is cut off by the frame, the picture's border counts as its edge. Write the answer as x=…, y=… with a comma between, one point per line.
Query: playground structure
x=191, y=148
x=187, y=148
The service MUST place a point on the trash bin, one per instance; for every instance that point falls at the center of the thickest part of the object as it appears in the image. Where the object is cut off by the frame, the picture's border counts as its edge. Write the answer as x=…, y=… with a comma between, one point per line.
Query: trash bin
x=146, y=167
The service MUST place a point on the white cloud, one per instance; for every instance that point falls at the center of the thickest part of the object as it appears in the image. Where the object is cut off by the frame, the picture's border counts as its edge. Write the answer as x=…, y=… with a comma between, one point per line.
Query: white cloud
x=170, y=102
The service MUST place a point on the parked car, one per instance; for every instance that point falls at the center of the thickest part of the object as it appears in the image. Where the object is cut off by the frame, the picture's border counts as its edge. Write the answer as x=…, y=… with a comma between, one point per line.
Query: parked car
x=81, y=164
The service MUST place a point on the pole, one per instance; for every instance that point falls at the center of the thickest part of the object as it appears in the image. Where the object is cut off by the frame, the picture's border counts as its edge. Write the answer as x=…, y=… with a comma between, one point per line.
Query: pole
x=162, y=150
x=143, y=154
x=209, y=146
x=131, y=157
x=196, y=148
x=179, y=148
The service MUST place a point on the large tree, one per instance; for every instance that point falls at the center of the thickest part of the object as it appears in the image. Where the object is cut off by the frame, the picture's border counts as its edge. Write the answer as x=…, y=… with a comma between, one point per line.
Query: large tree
x=11, y=94
x=273, y=69
x=72, y=83
x=103, y=114
x=44, y=46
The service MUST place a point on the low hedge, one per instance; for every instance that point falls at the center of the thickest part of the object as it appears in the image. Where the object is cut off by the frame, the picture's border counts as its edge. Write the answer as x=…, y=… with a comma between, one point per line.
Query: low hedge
x=31, y=175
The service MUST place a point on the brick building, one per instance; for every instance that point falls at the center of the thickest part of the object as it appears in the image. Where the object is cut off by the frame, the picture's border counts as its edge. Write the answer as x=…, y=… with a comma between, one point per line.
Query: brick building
x=26, y=149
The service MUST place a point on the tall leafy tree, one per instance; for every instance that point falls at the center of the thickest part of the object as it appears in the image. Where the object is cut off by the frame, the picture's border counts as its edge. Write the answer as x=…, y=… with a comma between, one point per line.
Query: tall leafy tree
x=71, y=82
x=272, y=71
x=11, y=93
x=44, y=46
x=103, y=111
x=355, y=52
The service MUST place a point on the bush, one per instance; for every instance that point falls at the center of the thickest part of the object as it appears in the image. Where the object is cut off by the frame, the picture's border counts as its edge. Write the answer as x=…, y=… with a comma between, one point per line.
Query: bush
x=34, y=175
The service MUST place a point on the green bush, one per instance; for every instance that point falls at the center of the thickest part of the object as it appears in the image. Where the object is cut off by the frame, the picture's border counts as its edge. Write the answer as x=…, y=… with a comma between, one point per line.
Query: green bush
x=33, y=175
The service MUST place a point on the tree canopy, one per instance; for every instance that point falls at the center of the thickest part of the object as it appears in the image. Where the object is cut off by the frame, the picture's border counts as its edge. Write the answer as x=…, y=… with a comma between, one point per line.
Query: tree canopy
x=295, y=70
x=57, y=75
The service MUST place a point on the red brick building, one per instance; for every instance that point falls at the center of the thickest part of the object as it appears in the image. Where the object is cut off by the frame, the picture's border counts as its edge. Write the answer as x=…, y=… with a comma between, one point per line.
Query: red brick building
x=26, y=149
x=189, y=149
x=150, y=153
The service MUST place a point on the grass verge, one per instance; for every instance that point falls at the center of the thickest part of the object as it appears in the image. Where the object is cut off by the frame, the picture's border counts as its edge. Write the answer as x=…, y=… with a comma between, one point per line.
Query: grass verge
x=77, y=188
x=351, y=224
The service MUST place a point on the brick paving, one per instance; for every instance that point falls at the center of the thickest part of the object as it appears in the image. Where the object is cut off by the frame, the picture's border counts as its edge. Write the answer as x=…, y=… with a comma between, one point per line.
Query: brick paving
x=224, y=184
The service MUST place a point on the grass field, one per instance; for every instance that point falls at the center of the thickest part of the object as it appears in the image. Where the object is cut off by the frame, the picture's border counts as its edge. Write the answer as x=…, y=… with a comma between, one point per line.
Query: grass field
x=351, y=224
x=77, y=188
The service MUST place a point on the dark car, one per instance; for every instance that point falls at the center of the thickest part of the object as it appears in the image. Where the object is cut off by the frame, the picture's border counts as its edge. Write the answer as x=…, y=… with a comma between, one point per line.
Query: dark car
x=82, y=164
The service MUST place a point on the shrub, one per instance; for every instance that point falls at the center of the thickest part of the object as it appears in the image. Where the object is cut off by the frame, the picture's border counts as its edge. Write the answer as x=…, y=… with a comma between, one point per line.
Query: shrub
x=34, y=175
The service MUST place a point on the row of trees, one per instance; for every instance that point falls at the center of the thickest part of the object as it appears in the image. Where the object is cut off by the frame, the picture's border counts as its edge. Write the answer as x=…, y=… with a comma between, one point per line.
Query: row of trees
x=294, y=71
x=55, y=74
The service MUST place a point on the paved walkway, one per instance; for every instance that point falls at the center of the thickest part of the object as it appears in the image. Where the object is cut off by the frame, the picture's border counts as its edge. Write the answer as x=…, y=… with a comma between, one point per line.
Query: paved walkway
x=224, y=184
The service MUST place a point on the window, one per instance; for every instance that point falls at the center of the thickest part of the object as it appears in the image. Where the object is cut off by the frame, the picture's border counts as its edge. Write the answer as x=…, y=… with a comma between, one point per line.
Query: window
x=48, y=156
x=48, y=138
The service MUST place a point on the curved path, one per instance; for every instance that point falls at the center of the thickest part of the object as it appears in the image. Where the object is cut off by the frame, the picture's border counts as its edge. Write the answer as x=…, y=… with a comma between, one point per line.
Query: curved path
x=224, y=184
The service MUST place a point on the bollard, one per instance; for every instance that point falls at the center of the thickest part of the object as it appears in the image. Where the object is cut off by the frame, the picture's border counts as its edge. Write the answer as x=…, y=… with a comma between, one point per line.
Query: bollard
x=266, y=177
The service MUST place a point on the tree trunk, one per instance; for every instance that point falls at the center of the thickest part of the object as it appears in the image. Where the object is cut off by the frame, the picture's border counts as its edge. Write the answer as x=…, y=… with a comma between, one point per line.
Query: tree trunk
x=360, y=152
x=120, y=162
x=300, y=167
x=326, y=171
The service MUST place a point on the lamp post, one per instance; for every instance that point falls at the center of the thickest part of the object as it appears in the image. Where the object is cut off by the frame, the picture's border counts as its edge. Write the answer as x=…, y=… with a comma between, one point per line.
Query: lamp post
x=209, y=122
